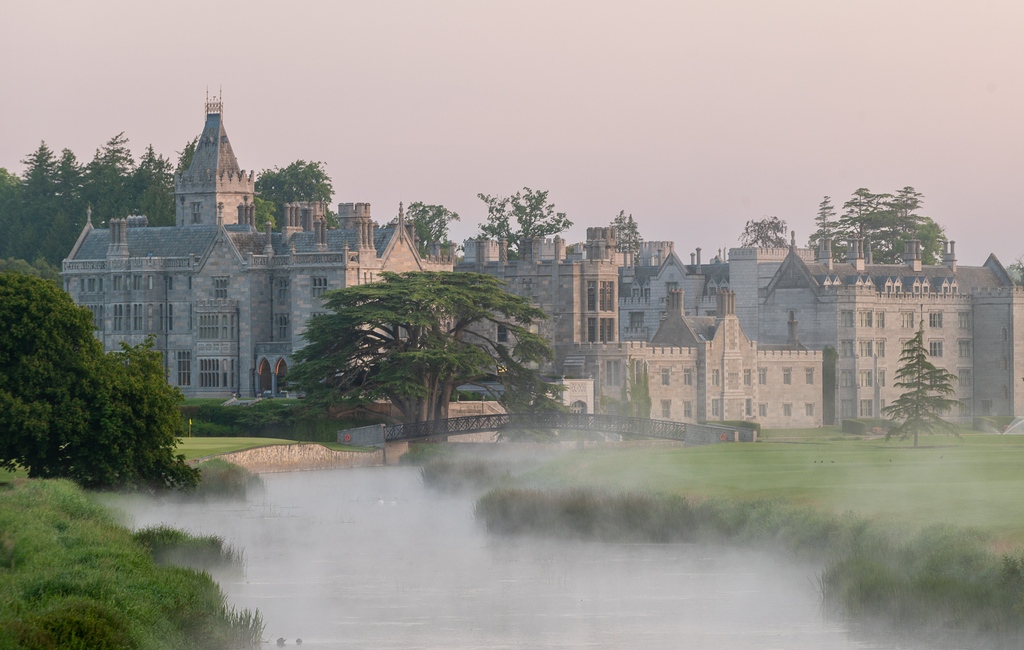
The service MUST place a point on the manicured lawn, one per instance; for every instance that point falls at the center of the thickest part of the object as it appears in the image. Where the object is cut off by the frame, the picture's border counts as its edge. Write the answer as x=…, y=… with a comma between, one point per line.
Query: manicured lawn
x=199, y=447
x=977, y=480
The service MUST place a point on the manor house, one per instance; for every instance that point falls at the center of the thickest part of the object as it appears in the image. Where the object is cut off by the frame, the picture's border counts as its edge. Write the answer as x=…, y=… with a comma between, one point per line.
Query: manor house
x=225, y=298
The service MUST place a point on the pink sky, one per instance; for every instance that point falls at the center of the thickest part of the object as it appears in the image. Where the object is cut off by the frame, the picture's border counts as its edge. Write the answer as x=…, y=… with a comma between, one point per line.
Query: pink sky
x=695, y=117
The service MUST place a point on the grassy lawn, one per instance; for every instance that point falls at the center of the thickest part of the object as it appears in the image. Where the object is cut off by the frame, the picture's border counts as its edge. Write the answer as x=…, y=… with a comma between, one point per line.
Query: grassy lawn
x=977, y=480
x=199, y=447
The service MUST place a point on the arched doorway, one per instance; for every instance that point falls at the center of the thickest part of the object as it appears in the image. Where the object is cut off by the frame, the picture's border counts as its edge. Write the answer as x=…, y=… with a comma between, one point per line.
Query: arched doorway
x=266, y=380
x=281, y=374
x=579, y=406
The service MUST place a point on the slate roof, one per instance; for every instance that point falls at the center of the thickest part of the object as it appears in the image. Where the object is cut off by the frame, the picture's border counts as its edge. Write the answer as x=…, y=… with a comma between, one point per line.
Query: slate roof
x=173, y=241
x=966, y=277
x=166, y=241
x=213, y=150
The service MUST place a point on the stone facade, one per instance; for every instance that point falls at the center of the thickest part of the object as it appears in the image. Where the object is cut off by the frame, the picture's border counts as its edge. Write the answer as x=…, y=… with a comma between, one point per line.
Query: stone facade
x=705, y=369
x=228, y=303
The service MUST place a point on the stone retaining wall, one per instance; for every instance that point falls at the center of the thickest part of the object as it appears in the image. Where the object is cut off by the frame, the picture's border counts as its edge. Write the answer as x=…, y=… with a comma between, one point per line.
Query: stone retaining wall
x=290, y=458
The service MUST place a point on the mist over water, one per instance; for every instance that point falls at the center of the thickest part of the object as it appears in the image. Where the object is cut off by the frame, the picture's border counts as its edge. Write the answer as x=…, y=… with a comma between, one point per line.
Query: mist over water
x=369, y=558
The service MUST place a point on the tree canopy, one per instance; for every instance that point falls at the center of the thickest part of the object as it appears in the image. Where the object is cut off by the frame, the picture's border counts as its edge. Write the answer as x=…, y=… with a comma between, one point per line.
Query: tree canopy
x=919, y=409
x=525, y=214
x=299, y=181
x=767, y=232
x=888, y=220
x=430, y=222
x=412, y=338
x=69, y=410
x=628, y=235
x=43, y=211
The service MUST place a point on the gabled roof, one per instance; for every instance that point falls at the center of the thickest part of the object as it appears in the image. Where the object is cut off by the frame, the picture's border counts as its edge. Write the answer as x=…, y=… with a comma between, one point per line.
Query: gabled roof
x=213, y=150
x=795, y=273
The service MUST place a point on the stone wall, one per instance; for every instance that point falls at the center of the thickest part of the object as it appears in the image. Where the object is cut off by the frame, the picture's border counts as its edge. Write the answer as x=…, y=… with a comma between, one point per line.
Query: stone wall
x=289, y=458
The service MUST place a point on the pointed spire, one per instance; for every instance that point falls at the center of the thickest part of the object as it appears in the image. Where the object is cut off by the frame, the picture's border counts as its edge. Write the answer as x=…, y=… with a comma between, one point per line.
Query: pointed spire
x=401, y=216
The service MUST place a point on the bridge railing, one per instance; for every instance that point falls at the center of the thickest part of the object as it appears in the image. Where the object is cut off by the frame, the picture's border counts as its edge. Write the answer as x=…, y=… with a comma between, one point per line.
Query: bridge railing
x=625, y=427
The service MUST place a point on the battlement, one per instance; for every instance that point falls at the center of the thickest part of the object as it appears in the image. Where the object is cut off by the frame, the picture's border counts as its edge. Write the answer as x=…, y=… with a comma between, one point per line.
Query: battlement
x=985, y=292
x=353, y=211
x=635, y=347
x=774, y=254
x=216, y=304
x=638, y=302
x=206, y=180
x=808, y=355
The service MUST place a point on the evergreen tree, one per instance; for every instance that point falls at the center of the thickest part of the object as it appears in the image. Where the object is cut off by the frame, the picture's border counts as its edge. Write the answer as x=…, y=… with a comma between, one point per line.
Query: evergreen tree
x=628, y=235
x=151, y=188
x=889, y=221
x=39, y=202
x=412, y=338
x=106, y=182
x=185, y=156
x=826, y=226
x=925, y=394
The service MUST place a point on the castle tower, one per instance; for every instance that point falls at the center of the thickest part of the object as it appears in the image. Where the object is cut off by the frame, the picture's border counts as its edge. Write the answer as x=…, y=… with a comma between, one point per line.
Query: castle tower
x=213, y=178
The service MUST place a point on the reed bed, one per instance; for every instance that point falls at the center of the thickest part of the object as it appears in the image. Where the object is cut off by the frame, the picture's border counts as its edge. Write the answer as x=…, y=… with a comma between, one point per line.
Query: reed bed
x=941, y=575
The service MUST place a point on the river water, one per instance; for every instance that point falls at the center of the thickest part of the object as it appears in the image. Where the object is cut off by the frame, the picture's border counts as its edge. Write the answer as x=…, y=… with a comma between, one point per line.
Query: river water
x=369, y=558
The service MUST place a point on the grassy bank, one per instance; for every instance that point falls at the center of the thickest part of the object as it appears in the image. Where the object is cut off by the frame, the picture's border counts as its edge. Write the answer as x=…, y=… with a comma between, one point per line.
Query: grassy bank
x=974, y=481
x=72, y=578
x=939, y=576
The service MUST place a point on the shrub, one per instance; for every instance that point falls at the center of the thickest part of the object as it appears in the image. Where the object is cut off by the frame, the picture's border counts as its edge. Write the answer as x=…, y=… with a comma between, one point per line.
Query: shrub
x=172, y=546
x=221, y=479
x=865, y=426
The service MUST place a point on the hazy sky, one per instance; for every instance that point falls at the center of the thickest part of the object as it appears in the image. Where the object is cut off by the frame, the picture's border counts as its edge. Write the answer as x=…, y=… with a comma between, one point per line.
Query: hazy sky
x=694, y=117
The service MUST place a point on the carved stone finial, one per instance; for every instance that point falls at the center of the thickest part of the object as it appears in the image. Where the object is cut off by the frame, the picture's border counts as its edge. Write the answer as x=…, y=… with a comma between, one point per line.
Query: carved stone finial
x=88, y=214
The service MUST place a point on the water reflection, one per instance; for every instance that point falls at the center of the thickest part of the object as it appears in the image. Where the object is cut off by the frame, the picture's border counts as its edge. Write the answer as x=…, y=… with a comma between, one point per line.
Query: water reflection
x=368, y=558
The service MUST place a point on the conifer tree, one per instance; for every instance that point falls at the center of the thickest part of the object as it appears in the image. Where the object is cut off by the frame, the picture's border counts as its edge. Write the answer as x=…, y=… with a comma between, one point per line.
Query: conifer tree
x=925, y=394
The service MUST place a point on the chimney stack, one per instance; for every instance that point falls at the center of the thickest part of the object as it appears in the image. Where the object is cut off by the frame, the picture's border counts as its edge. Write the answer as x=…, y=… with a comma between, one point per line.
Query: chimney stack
x=698, y=259
x=912, y=254
x=949, y=255
x=794, y=339
x=825, y=252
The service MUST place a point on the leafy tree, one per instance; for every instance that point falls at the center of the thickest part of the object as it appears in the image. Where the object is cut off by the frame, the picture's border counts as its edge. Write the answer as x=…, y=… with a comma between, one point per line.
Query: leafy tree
x=526, y=214
x=628, y=235
x=431, y=223
x=640, y=390
x=1016, y=270
x=412, y=338
x=299, y=181
x=768, y=232
x=68, y=410
x=889, y=221
x=924, y=400
x=265, y=211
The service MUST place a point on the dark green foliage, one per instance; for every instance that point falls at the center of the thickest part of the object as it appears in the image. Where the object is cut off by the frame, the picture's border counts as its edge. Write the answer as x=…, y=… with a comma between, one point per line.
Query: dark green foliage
x=68, y=410
x=78, y=580
x=864, y=426
x=919, y=409
x=221, y=479
x=627, y=235
x=186, y=155
x=638, y=402
x=267, y=419
x=39, y=269
x=942, y=576
x=430, y=223
x=767, y=232
x=740, y=424
x=888, y=220
x=170, y=546
x=412, y=338
x=524, y=215
x=43, y=212
x=299, y=181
